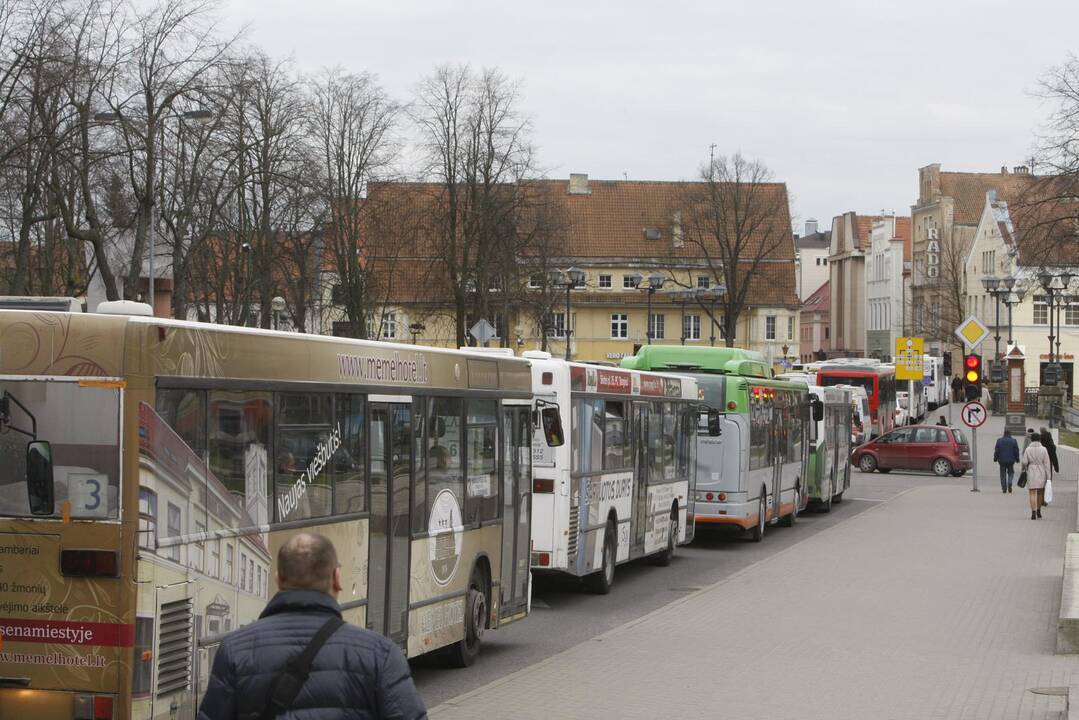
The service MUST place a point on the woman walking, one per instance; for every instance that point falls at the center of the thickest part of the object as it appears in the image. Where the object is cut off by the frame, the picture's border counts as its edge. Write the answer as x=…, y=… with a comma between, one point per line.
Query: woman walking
x=1036, y=466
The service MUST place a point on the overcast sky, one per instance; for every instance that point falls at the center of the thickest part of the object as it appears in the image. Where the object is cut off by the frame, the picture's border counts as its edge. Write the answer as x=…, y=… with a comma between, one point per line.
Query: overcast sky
x=843, y=100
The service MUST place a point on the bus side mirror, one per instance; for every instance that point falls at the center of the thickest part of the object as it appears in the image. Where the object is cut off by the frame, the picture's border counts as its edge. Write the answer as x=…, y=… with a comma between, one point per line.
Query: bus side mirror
x=818, y=409
x=551, y=422
x=39, y=481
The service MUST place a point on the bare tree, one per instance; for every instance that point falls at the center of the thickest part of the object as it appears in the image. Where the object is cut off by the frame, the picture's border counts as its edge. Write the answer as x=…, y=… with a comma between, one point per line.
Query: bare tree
x=736, y=222
x=477, y=146
x=352, y=127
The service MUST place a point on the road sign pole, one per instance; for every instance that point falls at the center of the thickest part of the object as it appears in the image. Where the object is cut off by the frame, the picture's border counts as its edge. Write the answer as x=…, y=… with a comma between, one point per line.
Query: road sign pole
x=974, y=457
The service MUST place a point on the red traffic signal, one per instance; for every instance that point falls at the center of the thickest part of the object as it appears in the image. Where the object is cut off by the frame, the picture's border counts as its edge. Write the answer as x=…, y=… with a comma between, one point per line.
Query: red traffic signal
x=972, y=365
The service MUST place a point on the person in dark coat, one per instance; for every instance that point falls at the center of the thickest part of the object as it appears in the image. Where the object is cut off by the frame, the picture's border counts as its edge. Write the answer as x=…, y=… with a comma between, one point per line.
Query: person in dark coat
x=1051, y=448
x=1006, y=454
x=957, y=388
x=357, y=674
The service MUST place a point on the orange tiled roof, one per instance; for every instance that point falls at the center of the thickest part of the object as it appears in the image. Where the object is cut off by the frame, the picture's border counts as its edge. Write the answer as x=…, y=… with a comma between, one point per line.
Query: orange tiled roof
x=618, y=220
x=968, y=191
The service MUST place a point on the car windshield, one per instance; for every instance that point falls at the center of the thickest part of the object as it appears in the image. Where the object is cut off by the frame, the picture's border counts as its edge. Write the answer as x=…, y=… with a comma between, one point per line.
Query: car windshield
x=82, y=426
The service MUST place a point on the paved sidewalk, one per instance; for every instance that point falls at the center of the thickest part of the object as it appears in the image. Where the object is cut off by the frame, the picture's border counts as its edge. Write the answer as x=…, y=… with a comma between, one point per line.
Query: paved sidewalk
x=939, y=603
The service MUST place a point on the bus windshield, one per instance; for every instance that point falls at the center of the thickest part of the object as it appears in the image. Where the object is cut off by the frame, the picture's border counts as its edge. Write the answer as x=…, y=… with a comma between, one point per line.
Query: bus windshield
x=82, y=424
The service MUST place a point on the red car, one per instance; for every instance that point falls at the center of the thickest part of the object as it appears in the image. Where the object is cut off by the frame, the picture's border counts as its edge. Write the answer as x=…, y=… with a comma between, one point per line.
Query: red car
x=943, y=450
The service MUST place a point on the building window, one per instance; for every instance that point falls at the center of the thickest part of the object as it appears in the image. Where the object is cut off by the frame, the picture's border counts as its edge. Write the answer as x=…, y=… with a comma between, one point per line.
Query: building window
x=215, y=559
x=147, y=519
x=629, y=282
x=198, y=548
x=703, y=281
x=1071, y=313
x=174, y=530
x=790, y=328
x=535, y=280
x=389, y=325
x=1041, y=310
x=619, y=326
x=605, y=281
x=770, y=327
x=657, y=324
x=243, y=571
x=558, y=325
x=691, y=327
x=827, y=332
x=228, y=564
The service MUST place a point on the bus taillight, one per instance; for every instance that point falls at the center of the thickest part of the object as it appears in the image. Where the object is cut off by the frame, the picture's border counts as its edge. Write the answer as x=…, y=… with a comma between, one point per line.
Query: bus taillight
x=90, y=563
x=543, y=485
x=541, y=559
x=93, y=707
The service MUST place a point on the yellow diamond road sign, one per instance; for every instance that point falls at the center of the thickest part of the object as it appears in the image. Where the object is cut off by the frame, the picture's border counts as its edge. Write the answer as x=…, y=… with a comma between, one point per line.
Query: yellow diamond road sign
x=909, y=363
x=971, y=331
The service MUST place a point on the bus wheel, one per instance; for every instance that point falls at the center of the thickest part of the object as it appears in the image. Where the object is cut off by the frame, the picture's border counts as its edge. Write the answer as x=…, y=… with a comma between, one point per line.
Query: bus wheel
x=758, y=531
x=789, y=520
x=663, y=559
x=599, y=583
x=837, y=498
x=465, y=651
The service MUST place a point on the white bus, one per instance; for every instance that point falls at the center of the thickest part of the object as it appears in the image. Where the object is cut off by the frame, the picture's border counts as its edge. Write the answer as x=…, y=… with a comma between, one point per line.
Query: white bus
x=935, y=382
x=621, y=487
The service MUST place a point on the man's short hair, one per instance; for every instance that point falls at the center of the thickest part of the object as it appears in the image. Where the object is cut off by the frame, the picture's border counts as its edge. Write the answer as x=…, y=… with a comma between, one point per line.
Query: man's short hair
x=1007, y=432
x=306, y=562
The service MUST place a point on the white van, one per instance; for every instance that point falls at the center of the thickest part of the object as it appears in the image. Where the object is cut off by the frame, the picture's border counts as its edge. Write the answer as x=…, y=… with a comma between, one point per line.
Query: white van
x=860, y=423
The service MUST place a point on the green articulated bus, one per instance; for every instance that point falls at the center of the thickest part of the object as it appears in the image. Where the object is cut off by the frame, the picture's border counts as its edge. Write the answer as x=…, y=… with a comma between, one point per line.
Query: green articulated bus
x=753, y=474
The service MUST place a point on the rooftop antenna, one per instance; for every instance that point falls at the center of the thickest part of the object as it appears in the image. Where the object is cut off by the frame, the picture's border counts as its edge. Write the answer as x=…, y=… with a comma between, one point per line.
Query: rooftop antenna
x=625, y=175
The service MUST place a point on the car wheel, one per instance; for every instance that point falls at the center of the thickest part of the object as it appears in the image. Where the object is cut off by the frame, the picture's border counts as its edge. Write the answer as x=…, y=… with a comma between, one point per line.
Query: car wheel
x=599, y=583
x=884, y=470
x=762, y=506
x=941, y=467
x=958, y=473
x=867, y=463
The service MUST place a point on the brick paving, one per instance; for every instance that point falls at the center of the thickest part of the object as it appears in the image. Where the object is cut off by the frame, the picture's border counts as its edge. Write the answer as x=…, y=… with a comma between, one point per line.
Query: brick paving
x=938, y=603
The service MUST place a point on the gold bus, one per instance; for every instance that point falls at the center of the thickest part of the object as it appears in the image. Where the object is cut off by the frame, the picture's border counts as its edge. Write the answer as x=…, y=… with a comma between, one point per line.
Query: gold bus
x=150, y=468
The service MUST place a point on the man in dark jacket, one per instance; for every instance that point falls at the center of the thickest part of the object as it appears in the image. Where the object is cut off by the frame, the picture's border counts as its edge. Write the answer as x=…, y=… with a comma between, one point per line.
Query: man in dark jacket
x=356, y=674
x=957, y=388
x=1006, y=454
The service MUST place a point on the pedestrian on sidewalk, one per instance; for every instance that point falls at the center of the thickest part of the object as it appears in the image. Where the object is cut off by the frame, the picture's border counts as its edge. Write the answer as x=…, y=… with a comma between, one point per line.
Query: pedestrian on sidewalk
x=957, y=389
x=942, y=422
x=1029, y=437
x=1051, y=448
x=300, y=659
x=1006, y=454
x=1036, y=466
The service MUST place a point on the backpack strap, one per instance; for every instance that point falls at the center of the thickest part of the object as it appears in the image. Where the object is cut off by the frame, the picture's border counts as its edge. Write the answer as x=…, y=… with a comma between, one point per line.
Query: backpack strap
x=289, y=682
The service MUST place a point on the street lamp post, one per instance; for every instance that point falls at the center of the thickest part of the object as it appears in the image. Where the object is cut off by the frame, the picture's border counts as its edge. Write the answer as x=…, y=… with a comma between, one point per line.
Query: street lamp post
x=416, y=328
x=570, y=278
x=111, y=117
x=992, y=286
x=277, y=304
x=655, y=282
x=1063, y=298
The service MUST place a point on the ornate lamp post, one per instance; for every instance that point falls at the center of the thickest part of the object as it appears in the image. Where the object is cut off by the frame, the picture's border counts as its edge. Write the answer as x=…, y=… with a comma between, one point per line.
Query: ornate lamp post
x=416, y=328
x=992, y=285
x=655, y=282
x=569, y=279
x=278, y=306
x=1010, y=301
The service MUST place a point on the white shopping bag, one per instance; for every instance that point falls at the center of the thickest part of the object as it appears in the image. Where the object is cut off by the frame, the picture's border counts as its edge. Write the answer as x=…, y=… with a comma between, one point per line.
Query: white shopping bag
x=1048, y=491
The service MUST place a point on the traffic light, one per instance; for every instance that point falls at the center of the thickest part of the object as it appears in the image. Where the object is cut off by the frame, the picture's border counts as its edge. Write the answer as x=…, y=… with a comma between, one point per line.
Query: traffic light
x=996, y=371
x=972, y=376
x=947, y=364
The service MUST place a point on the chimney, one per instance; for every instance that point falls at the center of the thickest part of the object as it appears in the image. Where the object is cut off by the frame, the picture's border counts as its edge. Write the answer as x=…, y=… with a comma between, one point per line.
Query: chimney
x=1021, y=170
x=578, y=184
x=1003, y=169
x=811, y=226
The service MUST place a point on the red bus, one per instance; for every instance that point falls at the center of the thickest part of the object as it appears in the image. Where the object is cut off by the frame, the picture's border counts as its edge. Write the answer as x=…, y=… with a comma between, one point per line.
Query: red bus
x=879, y=384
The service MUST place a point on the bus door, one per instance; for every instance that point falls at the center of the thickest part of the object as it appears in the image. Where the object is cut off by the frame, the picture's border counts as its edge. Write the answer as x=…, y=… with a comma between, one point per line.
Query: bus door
x=777, y=428
x=390, y=480
x=516, y=508
x=642, y=465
